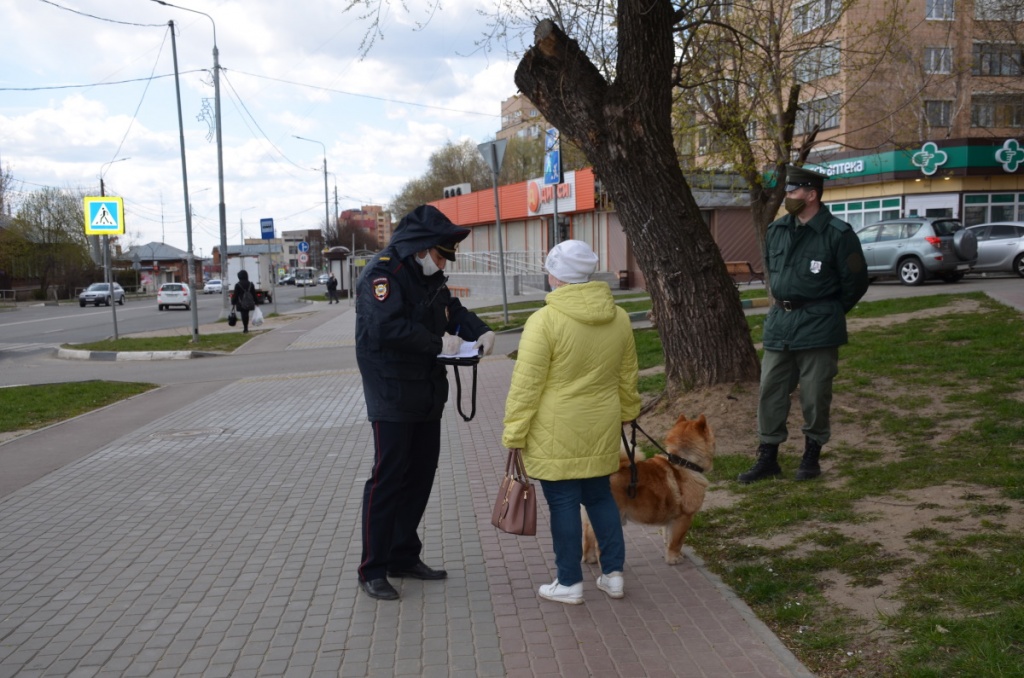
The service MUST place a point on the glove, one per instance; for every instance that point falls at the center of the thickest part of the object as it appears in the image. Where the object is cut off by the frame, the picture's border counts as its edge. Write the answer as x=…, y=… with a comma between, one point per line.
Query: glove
x=486, y=342
x=450, y=344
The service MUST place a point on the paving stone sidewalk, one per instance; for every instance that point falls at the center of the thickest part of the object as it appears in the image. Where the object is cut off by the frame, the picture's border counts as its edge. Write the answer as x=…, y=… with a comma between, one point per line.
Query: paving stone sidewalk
x=218, y=541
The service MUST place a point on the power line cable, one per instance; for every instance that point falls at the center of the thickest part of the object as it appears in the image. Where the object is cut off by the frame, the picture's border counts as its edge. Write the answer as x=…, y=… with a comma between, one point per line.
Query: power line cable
x=93, y=16
x=145, y=90
x=99, y=84
x=365, y=96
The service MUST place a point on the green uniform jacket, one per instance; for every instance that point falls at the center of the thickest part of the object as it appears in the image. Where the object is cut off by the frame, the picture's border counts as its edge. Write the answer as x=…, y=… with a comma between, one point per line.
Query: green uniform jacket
x=573, y=385
x=820, y=267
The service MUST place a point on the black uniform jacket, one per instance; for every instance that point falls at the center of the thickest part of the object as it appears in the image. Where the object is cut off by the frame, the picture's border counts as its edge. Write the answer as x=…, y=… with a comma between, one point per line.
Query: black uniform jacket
x=400, y=318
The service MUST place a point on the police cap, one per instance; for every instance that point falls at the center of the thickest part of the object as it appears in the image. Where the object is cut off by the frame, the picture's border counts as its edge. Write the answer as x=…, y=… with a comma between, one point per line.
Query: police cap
x=800, y=177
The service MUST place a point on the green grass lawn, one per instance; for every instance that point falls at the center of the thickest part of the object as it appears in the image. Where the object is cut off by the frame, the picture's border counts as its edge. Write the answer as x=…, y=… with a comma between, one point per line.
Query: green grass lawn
x=219, y=342
x=30, y=407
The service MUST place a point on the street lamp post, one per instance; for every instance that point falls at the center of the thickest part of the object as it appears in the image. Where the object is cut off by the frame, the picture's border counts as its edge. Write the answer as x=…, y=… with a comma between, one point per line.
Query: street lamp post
x=220, y=151
x=327, y=203
x=241, y=224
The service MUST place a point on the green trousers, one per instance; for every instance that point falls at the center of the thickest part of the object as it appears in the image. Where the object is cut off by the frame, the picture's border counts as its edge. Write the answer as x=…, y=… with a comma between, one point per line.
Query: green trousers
x=781, y=372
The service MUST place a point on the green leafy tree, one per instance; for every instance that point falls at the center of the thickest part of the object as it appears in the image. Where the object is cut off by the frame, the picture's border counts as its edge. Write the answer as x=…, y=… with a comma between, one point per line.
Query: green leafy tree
x=48, y=239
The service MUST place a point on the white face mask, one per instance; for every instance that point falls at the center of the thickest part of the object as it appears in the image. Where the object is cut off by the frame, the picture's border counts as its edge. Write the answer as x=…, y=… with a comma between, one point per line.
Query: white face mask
x=428, y=265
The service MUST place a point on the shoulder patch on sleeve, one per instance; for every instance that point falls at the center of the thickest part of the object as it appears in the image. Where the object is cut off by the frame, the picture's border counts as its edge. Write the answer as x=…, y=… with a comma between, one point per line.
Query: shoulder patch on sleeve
x=381, y=288
x=384, y=259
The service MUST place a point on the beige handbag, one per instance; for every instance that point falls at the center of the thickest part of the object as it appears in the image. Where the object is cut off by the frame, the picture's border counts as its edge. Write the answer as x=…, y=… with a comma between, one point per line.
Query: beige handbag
x=515, y=508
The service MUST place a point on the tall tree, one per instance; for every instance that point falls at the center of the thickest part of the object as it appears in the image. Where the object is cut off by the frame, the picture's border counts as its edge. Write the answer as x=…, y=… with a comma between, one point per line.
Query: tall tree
x=617, y=108
x=623, y=123
x=453, y=163
x=51, y=237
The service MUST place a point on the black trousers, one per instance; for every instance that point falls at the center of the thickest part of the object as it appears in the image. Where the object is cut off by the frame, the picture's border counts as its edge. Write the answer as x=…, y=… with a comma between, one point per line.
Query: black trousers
x=395, y=496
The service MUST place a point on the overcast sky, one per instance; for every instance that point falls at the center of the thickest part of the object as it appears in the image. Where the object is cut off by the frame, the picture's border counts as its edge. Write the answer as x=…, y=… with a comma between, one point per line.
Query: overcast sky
x=288, y=68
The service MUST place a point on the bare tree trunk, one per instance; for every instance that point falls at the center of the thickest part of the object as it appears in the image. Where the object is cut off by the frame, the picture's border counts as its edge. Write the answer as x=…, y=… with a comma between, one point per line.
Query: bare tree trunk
x=625, y=130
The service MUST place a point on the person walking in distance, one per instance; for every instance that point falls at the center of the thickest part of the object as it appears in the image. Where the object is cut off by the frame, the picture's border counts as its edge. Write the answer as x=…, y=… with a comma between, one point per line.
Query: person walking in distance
x=243, y=298
x=332, y=290
x=405, y=318
x=817, y=274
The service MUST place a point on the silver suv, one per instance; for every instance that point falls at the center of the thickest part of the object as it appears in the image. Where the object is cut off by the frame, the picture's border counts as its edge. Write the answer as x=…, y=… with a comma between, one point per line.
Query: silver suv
x=914, y=249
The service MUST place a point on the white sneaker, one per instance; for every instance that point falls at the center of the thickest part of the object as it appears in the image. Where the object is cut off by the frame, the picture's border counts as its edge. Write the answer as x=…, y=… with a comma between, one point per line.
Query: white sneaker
x=612, y=584
x=570, y=595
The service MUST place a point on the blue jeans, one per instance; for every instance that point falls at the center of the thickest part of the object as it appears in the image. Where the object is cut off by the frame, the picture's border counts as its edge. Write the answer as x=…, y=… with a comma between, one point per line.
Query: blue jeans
x=564, y=498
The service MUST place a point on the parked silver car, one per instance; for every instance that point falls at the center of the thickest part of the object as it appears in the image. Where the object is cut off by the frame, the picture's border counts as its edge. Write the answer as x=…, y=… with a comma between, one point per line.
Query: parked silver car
x=99, y=293
x=914, y=249
x=1000, y=247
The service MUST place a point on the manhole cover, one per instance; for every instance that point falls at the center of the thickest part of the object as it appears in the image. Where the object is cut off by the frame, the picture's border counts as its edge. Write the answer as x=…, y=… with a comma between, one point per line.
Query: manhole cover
x=188, y=433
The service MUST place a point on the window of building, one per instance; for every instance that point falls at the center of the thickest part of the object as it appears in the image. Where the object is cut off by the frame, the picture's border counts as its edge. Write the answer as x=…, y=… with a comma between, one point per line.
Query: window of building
x=997, y=110
x=938, y=59
x=980, y=208
x=819, y=62
x=993, y=58
x=998, y=10
x=866, y=212
x=938, y=113
x=939, y=9
x=817, y=13
x=818, y=114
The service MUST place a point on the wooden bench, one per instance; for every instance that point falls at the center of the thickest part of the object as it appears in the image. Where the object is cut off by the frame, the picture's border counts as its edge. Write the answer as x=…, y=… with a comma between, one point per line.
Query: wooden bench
x=742, y=269
x=458, y=291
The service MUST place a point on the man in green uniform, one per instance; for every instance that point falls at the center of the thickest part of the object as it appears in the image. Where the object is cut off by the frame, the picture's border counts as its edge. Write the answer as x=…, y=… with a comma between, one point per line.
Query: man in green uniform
x=817, y=274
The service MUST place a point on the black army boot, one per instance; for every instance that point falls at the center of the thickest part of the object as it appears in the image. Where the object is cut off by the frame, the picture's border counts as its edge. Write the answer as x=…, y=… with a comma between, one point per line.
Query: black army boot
x=766, y=466
x=809, y=464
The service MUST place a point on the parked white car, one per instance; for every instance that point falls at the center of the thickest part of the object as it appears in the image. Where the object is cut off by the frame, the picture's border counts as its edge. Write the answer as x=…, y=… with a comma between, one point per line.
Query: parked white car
x=173, y=294
x=214, y=286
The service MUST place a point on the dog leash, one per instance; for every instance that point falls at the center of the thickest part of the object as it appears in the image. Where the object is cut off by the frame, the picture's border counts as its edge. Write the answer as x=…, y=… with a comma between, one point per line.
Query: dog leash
x=672, y=458
x=631, y=453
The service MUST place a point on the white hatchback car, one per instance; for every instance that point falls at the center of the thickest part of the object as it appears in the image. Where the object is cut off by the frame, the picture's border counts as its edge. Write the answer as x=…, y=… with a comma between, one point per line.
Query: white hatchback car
x=1000, y=247
x=173, y=294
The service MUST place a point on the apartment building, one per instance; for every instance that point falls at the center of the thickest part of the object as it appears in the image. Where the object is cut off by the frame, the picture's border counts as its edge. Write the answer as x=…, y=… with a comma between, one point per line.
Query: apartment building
x=915, y=108
x=520, y=118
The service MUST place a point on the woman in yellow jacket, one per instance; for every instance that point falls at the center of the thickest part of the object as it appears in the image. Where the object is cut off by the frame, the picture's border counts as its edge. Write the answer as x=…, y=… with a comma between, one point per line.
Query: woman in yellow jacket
x=573, y=386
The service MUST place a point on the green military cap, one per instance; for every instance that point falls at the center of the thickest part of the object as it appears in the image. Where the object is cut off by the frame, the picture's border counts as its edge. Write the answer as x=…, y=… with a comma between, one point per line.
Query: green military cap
x=798, y=177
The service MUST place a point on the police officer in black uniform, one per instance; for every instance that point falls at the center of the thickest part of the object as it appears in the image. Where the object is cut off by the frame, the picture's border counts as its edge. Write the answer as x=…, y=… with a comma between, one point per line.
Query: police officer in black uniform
x=817, y=274
x=405, y=318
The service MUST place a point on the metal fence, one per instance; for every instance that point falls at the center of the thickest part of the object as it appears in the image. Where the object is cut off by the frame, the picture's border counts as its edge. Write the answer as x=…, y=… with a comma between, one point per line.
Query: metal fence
x=519, y=262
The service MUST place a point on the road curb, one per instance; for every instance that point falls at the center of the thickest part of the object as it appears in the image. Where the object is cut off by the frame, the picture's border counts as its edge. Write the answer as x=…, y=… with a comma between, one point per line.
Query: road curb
x=121, y=356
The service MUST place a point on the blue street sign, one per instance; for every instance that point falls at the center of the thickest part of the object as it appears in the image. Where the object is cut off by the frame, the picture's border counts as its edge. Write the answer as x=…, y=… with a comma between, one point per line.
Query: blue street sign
x=303, y=246
x=267, y=229
x=552, y=168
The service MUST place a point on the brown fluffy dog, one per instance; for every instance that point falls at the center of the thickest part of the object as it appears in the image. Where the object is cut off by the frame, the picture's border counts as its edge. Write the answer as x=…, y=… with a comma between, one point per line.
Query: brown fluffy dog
x=667, y=493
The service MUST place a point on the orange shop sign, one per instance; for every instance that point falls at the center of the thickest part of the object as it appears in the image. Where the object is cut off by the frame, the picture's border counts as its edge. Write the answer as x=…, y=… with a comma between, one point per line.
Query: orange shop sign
x=540, y=197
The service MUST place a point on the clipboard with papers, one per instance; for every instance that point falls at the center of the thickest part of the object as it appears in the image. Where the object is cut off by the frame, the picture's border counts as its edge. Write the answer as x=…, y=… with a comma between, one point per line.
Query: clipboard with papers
x=467, y=356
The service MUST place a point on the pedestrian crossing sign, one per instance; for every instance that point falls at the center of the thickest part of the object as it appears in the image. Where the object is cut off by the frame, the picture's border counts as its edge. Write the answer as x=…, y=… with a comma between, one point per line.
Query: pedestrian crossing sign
x=104, y=216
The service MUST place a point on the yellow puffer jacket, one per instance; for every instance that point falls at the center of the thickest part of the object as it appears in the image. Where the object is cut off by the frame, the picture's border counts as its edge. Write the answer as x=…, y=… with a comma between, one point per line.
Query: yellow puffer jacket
x=573, y=385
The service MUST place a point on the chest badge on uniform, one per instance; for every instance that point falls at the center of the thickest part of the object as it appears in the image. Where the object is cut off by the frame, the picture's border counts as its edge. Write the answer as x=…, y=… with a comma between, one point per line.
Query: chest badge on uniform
x=381, y=288
x=815, y=266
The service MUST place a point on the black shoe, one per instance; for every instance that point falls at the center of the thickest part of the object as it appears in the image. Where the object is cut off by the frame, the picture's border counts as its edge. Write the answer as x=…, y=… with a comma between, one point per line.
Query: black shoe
x=380, y=589
x=766, y=466
x=417, y=571
x=809, y=467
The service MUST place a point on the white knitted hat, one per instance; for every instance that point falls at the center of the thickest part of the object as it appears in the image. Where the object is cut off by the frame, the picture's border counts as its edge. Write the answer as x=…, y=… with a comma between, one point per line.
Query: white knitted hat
x=571, y=261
